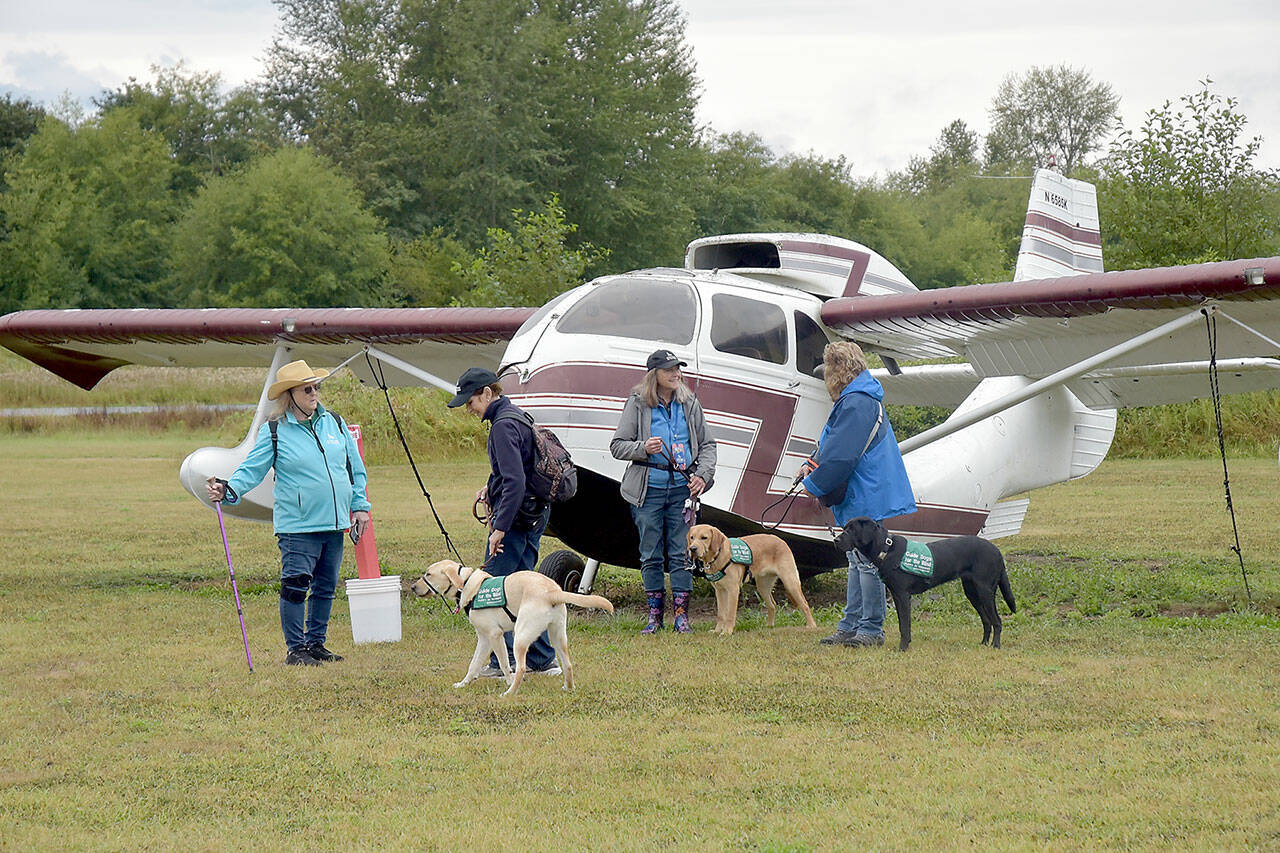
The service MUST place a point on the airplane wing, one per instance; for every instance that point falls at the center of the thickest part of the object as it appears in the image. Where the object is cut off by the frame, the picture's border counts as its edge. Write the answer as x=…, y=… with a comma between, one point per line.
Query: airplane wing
x=82, y=346
x=1036, y=328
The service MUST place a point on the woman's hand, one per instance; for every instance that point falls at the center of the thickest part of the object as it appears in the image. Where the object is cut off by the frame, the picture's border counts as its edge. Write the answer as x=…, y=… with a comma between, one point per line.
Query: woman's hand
x=495, y=542
x=359, y=523
x=217, y=491
x=697, y=486
x=653, y=445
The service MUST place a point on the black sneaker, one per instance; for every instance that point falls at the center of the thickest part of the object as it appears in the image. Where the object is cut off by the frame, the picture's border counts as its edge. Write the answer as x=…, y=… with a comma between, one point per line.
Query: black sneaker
x=320, y=653
x=300, y=657
x=839, y=638
x=867, y=640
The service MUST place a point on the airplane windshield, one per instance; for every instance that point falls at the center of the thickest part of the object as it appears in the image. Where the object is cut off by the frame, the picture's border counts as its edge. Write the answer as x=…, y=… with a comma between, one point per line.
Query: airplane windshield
x=635, y=308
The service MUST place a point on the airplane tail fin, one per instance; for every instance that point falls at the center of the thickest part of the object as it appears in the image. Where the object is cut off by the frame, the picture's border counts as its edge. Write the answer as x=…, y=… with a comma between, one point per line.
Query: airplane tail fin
x=1061, y=235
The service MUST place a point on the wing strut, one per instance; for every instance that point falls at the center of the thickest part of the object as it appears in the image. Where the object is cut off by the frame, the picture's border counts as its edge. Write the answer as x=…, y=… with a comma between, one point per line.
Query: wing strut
x=410, y=369
x=1247, y=328
x=1041, y=385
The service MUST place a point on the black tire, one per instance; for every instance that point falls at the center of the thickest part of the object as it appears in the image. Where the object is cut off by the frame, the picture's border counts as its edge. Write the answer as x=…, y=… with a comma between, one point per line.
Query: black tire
x=565, y=568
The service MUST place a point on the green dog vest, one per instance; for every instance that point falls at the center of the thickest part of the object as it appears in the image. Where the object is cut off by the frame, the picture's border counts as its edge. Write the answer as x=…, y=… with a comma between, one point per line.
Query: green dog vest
x=492, y=593
x=918, y=560
x=739, y=552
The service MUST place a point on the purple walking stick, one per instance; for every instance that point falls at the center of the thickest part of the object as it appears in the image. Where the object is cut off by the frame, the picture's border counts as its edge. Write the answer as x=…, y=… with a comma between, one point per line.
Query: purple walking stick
x=230, y=569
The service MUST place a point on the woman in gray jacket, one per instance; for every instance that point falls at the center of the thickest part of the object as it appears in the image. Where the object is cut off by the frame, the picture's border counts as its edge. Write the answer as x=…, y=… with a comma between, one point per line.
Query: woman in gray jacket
x=663, y=434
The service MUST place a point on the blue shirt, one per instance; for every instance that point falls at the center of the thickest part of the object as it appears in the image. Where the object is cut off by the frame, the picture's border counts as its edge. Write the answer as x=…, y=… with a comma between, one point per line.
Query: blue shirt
x=668, y=423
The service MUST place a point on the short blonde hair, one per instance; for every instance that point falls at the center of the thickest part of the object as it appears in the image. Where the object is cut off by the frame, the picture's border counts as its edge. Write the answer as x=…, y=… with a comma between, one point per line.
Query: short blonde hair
x=648, y=389
x=842, y=361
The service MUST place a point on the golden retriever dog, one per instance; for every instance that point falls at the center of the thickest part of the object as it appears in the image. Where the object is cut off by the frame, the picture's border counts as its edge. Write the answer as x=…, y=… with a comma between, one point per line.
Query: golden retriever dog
x=772, y=561
x=534, y=603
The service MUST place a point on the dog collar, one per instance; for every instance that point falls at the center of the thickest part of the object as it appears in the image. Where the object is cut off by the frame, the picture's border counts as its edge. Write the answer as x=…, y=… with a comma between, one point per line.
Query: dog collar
x=888, y=544
x=442, y=593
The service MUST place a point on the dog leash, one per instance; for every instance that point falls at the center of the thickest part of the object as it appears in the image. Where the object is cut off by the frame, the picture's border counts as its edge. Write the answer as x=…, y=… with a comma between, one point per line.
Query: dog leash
x=381, y=382
x=793, y=492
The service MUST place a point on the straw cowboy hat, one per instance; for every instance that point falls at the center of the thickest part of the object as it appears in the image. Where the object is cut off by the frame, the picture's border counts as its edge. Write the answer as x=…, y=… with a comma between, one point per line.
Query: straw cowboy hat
x=292, y=375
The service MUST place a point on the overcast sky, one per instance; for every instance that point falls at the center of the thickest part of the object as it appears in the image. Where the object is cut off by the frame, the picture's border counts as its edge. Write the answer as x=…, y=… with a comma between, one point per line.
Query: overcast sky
x=874, y=82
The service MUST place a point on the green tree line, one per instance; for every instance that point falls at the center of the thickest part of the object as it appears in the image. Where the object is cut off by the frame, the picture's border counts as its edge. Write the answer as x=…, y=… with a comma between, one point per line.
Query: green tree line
x=431, y=152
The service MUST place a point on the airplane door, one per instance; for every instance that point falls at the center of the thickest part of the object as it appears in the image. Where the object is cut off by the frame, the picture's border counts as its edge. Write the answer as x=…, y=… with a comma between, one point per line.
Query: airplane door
x=748, y=383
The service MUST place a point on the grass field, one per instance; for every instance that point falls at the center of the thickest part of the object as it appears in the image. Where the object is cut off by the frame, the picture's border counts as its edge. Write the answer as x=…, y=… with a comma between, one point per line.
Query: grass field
x=1136, y=702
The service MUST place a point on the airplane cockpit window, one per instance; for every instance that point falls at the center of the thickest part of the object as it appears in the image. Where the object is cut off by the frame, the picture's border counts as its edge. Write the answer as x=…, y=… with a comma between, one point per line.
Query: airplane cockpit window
x=810, y=343
x=536, y=317
x=647, y=309
x=748, y=327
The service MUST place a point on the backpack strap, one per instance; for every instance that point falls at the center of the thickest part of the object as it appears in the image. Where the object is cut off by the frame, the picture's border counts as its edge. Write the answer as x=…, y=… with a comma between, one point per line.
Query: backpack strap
x=275, y=441
x=875, y=429
x=274, y=425
x=518, y=415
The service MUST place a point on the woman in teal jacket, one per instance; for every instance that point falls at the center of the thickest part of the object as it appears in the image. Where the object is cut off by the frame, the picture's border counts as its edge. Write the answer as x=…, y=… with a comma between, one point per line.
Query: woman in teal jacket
x=319, y=493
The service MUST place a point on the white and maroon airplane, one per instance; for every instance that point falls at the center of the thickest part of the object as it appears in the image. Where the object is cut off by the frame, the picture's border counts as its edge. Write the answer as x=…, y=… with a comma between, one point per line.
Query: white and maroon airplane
x=1035, y=368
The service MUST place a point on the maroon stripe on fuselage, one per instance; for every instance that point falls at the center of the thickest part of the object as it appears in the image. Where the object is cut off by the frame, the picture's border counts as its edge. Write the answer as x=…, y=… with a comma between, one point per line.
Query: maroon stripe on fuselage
x=1062, y=229
x=939, y=521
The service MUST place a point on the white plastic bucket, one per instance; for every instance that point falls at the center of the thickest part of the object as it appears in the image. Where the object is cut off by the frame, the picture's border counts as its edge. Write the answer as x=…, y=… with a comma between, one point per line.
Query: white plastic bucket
x=375, y=609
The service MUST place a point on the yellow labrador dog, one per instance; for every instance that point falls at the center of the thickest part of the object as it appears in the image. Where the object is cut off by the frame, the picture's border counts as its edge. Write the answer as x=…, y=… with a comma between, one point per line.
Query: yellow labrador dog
x=533, y=603
x=772, y=561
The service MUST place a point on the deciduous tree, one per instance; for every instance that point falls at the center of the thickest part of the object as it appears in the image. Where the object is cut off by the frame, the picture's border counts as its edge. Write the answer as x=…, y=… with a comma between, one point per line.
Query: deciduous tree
x=531, y=263
x=208, y=132
x=1057, y=111
x=1186, y=188
x=287, y=230
x=88, y=214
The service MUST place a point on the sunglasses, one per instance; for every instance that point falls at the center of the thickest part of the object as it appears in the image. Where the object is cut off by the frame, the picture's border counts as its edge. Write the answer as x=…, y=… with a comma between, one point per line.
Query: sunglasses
x=308, y=389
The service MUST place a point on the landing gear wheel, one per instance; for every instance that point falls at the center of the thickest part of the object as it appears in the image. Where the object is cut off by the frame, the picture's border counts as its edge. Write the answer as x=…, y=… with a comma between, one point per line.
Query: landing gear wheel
x=565, y=568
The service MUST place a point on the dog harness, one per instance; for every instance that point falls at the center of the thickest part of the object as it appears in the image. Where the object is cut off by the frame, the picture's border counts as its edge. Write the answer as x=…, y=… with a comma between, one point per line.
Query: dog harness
x=917, y=559
x=739, y=552
x=492, y=593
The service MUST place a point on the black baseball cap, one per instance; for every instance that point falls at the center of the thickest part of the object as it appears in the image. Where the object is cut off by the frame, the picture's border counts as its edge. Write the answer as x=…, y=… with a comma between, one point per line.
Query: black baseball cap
x=663, y=358
x=471, y=381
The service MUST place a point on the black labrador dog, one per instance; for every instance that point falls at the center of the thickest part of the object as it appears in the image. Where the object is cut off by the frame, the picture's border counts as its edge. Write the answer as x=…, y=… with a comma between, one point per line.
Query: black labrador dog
x=978, y=564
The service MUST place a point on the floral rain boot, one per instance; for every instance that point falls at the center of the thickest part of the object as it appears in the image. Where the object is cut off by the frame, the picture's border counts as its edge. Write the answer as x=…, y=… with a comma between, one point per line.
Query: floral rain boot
x=680, y=601
x=657, y=602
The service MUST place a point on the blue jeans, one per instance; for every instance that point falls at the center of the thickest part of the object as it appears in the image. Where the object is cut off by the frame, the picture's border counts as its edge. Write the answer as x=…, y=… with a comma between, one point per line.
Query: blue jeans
x=663, y=538
x=863, y=598
x=519, y=554
x=309, y=563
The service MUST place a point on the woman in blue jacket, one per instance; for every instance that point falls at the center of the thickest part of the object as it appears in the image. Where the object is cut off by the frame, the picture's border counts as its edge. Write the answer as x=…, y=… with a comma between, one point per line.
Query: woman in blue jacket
x=858, y=471
x=319, y=493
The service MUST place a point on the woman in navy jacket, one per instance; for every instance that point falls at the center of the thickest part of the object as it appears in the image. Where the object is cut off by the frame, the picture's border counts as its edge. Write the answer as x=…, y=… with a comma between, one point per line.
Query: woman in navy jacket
x=516, y=516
